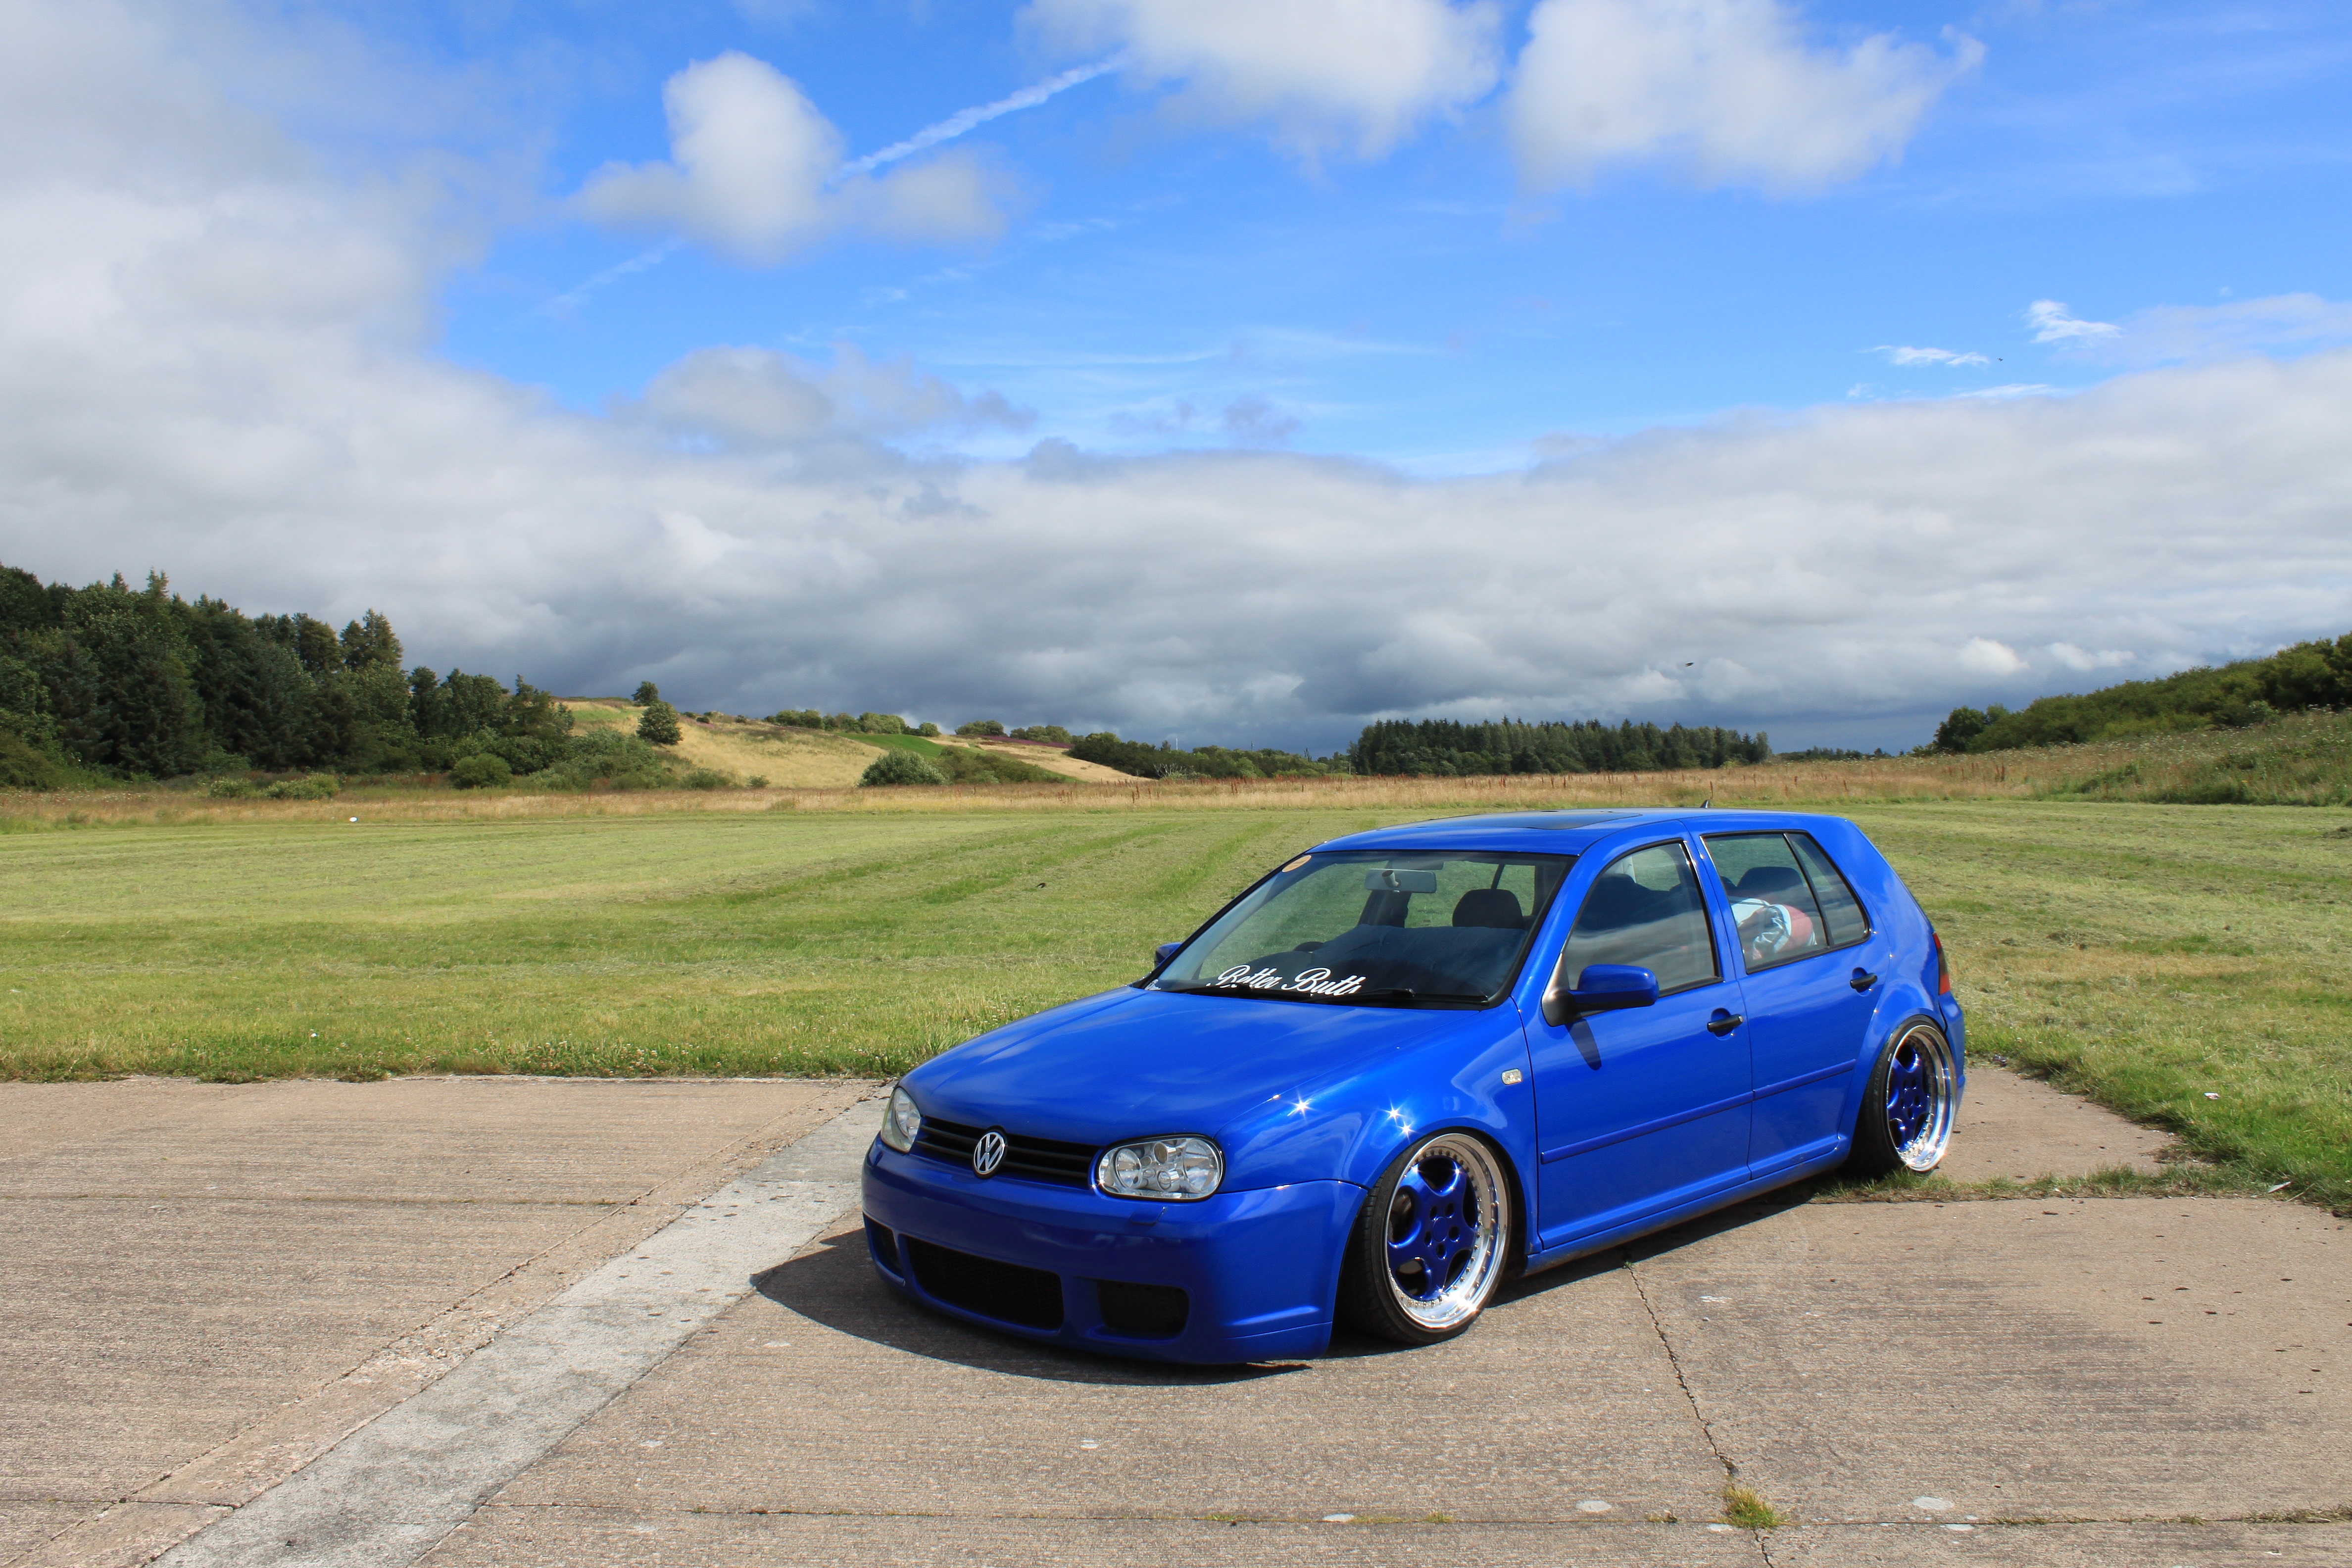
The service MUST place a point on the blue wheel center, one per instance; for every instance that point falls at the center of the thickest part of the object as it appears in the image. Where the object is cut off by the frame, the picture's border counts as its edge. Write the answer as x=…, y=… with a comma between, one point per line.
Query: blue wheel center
x=1432, y=1228
x=1907, y=1099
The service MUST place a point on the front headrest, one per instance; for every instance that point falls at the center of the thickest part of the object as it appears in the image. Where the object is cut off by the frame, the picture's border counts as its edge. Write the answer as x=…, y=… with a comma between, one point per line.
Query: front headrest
x=1493, y=907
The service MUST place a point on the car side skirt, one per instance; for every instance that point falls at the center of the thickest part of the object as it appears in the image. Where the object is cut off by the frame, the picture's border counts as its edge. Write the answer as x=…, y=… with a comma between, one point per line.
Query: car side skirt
x=1666, y=1219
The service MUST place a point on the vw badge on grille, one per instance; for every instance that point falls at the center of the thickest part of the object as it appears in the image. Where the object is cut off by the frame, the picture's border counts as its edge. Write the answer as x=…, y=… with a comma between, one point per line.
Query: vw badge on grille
x=988, y=1153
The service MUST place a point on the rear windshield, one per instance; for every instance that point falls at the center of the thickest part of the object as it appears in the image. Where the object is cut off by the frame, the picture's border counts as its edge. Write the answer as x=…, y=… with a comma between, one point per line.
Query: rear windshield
x=1376, y=928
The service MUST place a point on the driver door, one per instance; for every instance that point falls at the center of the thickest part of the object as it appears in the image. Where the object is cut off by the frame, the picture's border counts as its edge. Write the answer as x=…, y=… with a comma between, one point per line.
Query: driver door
x=1645, y=1108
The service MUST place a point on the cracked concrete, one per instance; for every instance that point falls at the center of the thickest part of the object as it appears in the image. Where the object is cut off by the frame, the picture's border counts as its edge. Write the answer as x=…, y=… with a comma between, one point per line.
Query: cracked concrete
x=2005, y=1381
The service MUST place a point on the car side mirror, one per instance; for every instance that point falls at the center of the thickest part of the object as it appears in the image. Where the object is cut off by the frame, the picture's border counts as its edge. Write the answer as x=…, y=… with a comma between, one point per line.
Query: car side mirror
x=1163, y=952
x=1603, y=988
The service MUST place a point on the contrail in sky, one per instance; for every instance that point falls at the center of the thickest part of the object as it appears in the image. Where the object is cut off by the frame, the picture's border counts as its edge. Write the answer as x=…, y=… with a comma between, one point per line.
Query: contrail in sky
x=956, y=124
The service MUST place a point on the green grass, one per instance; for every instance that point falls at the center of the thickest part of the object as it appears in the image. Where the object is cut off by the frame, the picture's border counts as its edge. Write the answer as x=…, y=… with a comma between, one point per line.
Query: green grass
x=915, y=743
x=1748, y=1508
x=2144, y=955
x=2148, y=956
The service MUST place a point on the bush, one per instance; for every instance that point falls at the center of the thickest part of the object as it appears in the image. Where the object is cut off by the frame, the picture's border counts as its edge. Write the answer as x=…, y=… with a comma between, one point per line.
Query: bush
x=483, y=769
x=232, y=789
x=647, y=694
x=318, y=786
x=659, y=724
x=980, y=727
x=901, y=768
x=927, y=728
x=1052, y=734
x=881, y=724
x=969, y=765
x=757, y=781
x=708, y=778
x=24, y=765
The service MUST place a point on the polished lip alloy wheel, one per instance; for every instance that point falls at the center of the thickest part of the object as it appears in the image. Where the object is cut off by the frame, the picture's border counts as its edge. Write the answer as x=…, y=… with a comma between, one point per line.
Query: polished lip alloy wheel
x=1919, y=1097
x=1448, y=1223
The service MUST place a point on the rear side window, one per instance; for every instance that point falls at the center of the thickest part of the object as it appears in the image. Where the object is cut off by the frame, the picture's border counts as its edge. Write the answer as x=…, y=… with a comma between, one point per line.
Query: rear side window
x=1848, y=921
x=1646, y=911
x=1789, y=901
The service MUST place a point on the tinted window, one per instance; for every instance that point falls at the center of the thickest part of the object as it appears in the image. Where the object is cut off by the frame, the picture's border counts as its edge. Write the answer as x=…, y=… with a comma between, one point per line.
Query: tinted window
x=1771, y=902
x=1645, y=910
x=1848, y=921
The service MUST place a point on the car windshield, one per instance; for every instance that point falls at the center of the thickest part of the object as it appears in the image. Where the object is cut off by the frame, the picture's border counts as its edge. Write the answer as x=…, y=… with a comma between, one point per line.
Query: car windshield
x=1376, y=928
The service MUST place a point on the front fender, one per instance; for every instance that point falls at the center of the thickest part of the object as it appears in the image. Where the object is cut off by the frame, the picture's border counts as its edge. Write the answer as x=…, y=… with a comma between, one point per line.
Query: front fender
x=1351, y=1124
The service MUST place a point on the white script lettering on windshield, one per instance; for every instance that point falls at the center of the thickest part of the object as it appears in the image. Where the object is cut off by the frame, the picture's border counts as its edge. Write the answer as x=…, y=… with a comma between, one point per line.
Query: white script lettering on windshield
x=1314, y=981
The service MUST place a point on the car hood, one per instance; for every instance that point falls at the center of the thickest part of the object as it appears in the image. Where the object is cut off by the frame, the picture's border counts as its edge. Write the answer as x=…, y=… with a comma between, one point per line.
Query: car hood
x=1131, y=1063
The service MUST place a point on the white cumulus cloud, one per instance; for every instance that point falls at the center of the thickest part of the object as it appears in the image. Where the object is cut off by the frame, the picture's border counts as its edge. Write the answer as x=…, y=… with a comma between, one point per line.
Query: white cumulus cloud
x=1731, y=91
x=217, y=358
x=1351, y=75
x=2053, y=322
x=2280, y=323
x=755, y=171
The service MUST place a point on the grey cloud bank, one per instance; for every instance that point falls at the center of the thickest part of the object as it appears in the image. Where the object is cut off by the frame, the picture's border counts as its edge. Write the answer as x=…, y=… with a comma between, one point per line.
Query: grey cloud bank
x=213, y=362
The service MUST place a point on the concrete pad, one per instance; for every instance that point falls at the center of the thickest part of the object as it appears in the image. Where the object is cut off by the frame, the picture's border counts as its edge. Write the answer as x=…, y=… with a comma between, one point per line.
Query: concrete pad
x=207, y=1284
x=504, y=1537
x=2107, y=1359
x=2020, y=1127
x=125, y=1536
x=26, y=1525
x=2165, y=1545
x=829, y=1394
x=390, y=1490
x=141, y=1334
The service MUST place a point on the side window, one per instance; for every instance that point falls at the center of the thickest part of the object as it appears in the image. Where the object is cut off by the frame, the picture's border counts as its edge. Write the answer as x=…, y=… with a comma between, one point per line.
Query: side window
x=1646, y=910
x=1770, y=899
x=1849, y=922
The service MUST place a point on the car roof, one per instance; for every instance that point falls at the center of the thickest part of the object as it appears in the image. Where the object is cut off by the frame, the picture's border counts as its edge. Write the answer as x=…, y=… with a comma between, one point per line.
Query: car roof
x=1552, y=832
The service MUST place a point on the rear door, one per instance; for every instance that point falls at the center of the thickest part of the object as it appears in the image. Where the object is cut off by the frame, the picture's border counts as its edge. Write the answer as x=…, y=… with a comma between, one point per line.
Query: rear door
x=1810, y=964
x=1639, y=1110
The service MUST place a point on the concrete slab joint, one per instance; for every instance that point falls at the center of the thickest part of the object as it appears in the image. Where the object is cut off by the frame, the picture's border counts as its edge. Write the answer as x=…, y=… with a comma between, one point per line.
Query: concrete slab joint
x=387, y=1493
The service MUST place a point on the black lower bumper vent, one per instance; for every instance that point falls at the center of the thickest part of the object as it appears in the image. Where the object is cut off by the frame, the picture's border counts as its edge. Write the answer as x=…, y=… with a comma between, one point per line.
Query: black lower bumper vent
x=885, y=1243
x=1006, y=1291
x=1143, y=1311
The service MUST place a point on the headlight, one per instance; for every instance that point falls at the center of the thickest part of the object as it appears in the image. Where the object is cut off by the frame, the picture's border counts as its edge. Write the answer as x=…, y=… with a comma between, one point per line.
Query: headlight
x=1176, y=1170
x=901, y=1123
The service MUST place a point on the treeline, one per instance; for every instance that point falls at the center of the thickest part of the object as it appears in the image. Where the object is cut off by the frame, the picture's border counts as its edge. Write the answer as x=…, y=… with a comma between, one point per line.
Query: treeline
x=1448, y=748
x=1166, y=762
x=2232, y=695
x=115, y=682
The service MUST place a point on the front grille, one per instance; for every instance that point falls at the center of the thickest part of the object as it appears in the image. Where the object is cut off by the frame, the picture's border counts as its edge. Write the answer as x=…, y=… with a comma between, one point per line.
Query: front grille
x=1006, y=1291
x=885, y=1243
x=1031, y=1159
x=1143, y=1311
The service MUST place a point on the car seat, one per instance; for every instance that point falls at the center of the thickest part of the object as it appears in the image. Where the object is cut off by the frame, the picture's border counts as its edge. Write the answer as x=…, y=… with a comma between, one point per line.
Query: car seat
x=1493, y=907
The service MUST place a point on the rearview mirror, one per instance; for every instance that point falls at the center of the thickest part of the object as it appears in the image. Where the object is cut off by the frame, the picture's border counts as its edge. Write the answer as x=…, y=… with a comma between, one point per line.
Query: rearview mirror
x=1601, y=988
x=1163, y=952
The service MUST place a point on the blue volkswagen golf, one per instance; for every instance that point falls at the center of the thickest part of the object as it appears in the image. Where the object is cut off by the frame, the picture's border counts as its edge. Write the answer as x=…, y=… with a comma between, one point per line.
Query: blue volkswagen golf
x=1409, y=1063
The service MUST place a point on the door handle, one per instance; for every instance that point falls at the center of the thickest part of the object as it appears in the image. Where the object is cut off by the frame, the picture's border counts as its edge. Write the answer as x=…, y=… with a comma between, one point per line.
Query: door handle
x=1724, y=1023
x=1863, y=980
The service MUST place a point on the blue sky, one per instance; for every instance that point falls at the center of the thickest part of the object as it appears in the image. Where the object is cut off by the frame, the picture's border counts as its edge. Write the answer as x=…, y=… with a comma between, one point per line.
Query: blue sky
x=1424, y=308
x=1804, y=366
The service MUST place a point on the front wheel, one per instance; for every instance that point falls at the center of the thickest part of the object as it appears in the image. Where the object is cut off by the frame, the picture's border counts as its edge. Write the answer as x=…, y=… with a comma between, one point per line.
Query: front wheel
x=1430, y=1242
x=1906, y=1112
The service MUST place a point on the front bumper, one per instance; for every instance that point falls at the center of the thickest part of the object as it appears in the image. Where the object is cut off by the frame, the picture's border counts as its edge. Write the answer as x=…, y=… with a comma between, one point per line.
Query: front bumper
x=1259, y=1269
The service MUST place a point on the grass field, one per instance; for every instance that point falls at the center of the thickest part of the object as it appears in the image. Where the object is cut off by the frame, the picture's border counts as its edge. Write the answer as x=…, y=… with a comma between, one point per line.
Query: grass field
x=2147, y=955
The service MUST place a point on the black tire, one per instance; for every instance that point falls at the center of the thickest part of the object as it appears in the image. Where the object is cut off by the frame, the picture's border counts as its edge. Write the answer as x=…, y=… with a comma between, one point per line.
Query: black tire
x=1906, y=1120
x=1444, y=1202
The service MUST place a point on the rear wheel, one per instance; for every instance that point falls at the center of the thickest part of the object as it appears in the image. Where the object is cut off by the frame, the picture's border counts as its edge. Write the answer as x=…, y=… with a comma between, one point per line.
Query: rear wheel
x=1906, y=1112
x=1430, y=1242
